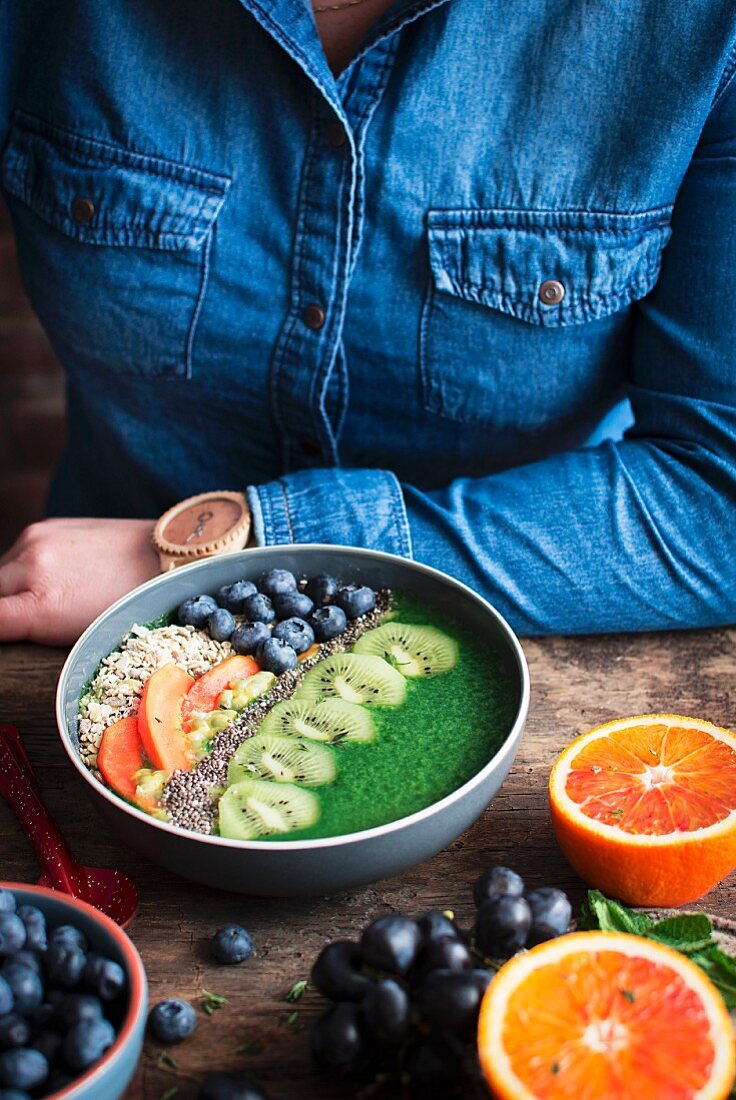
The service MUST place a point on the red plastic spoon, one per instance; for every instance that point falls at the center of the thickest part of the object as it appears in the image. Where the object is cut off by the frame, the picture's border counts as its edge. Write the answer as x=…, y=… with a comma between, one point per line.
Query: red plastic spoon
x=110, y=891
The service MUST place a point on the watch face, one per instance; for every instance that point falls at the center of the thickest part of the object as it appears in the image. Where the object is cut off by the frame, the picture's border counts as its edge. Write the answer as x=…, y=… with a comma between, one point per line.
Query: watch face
x=202, y=522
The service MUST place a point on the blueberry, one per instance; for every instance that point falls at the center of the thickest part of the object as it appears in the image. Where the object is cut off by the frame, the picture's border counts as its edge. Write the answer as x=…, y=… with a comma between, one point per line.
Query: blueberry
x=87, y=1041
x=221, y=625
x=321, y=589
x=502, y=926
x=6, y=997
x=247, y=637
x=551, y=913
x=449, y=1000
x=23, y=1068
x=196, y=611
x=232, y=945
x=337, y=1039
x=76, y=1007
x=276, y=581
x=355, y=600
x=229, y=1086
x=172, y=1021
x=7, y=901
x=14, y=1094
x=289, y=604
x=296, y=633
x=336, y=972
x=26, y=987
x=24, y=958
x=65, y=963
x=15, y=1031
x=12, y=934
x=35, y=926
x=259, y=609
x=447, y=953
x=328, y=622
x=233, y=596
x=276, y=656
x=437, y=926
x=70, y=936
x=495, y=882
x=386, y=1013
x=391, y=943
x=104, y=977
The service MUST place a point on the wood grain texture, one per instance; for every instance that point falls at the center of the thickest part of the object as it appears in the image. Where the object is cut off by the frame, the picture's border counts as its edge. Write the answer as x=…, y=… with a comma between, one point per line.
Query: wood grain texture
x=576, y=683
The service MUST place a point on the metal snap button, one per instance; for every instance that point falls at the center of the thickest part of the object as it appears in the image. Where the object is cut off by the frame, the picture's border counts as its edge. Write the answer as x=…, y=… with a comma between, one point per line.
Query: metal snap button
x=313, y=316
x=83, y=210
x=551, y=292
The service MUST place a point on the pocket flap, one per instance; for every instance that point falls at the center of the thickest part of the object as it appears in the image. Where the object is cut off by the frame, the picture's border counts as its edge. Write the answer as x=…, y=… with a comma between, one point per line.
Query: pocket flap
x=103, y=194
x=503, y=258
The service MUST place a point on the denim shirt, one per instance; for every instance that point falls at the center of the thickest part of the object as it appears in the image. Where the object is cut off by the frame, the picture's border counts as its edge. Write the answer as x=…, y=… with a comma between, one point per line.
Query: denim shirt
x=413, y=307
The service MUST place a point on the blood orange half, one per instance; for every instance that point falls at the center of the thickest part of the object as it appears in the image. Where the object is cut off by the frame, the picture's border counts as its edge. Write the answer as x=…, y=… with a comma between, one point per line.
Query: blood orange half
x=645, y=808
x=605, y=1016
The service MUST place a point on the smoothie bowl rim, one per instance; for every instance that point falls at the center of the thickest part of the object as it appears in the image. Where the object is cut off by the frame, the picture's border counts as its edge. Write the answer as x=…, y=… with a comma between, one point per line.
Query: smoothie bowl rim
x=135, y=972
x=508, y=744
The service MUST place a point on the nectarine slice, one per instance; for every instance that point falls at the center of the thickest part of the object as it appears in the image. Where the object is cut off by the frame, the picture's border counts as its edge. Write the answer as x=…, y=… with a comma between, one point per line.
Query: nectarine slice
x=120, y=757
x=160, y=719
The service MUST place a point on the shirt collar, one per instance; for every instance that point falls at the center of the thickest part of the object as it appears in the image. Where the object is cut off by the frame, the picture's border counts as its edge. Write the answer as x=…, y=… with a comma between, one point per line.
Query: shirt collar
x=291, y=24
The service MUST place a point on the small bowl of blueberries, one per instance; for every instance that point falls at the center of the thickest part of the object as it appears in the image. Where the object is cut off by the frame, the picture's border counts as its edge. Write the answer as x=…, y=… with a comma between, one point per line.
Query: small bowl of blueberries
x=73, y=998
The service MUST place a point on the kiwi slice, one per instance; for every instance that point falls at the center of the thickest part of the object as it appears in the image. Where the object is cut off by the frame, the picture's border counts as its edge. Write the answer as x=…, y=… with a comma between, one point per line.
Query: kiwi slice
x=413, y=650
x=285, y=759
x=332, y=720
x=254, y=808
x=356, y=678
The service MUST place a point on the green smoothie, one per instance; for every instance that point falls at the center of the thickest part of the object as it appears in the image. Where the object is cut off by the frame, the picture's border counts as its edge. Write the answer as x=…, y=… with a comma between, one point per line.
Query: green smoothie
x=447, y=729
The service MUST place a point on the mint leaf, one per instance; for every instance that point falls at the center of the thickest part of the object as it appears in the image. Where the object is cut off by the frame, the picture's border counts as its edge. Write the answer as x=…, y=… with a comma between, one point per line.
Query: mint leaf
x=690, y=934
x=721, y=969
x=598, y=911
x=687, y=933
x=212, y=1001
x=297, y=991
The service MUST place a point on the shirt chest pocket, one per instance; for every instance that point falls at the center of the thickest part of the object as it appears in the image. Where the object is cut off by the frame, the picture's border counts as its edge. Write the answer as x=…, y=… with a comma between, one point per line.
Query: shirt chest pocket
x=113, y=247
x=525, y=321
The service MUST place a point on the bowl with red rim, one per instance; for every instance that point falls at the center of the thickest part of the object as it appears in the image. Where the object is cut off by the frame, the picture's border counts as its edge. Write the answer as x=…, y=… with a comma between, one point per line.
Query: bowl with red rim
x=301, y=866
x=108, y=1077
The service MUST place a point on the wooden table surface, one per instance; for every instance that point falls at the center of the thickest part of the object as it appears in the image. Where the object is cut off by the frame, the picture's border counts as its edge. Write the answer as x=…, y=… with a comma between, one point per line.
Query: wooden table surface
x=576, y=684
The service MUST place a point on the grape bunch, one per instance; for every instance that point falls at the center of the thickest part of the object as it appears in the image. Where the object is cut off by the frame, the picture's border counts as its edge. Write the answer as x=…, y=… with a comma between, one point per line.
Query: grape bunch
x=406, y=997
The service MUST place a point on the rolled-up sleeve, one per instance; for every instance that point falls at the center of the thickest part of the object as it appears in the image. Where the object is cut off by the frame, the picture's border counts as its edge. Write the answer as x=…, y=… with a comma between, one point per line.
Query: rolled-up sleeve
x=350, y=507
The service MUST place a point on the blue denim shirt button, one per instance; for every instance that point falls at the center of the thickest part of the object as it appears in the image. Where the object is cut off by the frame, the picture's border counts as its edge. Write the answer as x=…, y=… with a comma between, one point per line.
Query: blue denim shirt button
x=551, y=292
x=313, y=316
x=83, y=210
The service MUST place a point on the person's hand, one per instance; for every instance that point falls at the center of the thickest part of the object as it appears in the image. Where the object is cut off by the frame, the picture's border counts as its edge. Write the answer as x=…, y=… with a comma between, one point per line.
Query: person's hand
x=61, y=573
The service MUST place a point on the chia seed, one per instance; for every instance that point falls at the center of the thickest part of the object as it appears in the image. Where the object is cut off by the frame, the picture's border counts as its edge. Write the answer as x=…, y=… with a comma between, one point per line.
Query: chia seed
x=190, y=797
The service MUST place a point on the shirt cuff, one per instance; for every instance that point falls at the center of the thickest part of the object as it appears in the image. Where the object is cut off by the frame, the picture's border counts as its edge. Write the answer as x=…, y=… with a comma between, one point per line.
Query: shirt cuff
x=341, y=507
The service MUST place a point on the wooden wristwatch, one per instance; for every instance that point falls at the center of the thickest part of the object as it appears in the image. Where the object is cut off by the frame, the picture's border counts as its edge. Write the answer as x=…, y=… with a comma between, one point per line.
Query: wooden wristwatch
x=201, y=527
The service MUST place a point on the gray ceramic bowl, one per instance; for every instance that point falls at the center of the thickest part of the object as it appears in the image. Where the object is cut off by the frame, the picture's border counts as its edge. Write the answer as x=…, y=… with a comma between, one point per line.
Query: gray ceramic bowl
x=108, y=1079
x=285, y=868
